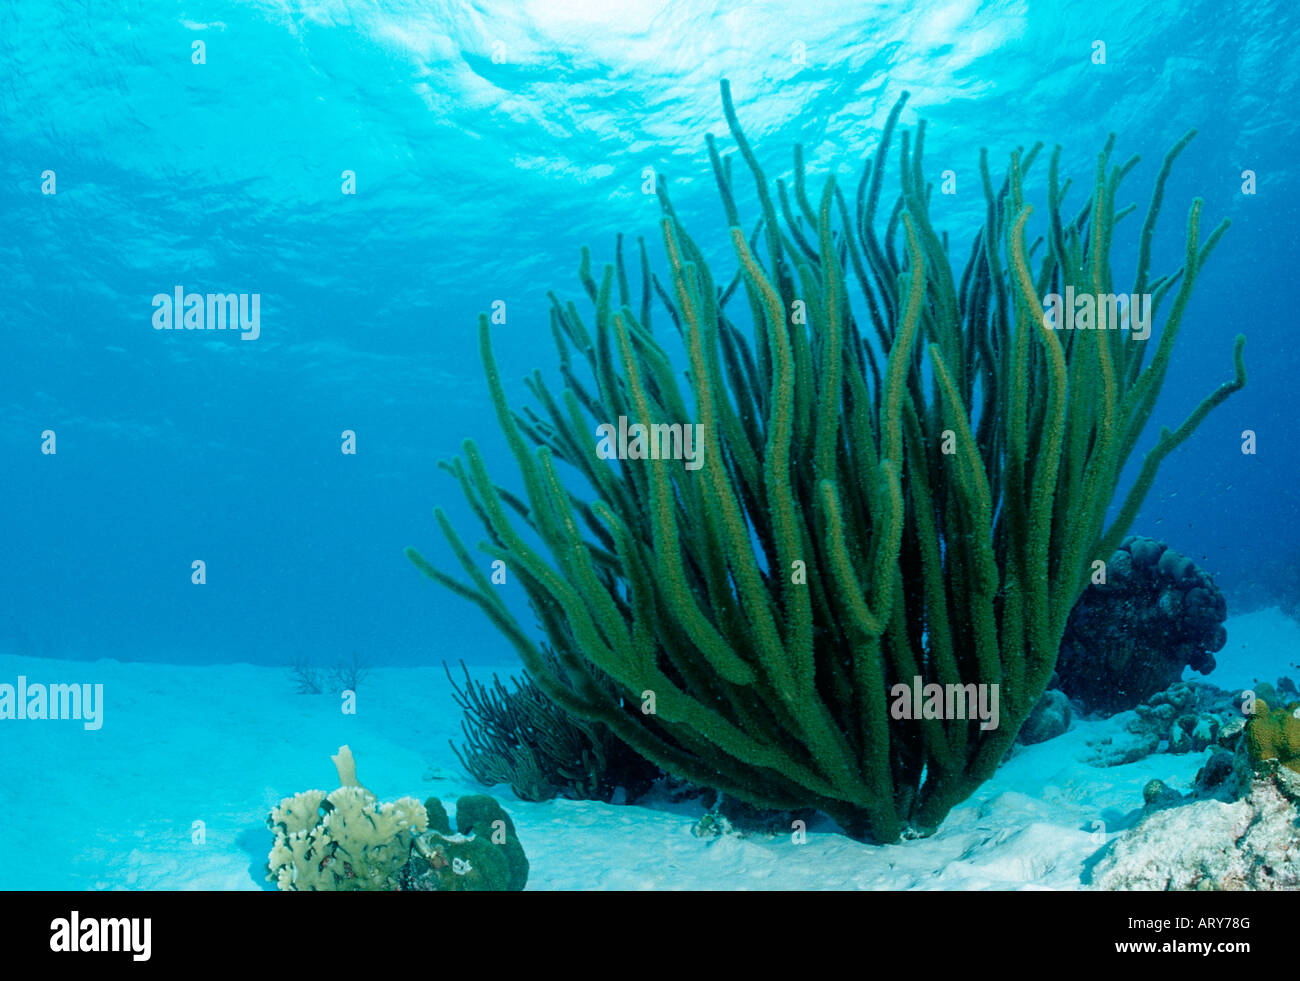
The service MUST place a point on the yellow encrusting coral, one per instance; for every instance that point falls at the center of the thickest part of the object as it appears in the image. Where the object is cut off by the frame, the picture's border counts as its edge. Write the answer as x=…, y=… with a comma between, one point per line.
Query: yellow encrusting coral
x=1274, y=734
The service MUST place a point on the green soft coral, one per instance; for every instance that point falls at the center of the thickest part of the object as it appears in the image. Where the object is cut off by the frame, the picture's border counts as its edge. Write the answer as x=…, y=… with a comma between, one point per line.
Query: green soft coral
x=904, y=473
x=1274, y=734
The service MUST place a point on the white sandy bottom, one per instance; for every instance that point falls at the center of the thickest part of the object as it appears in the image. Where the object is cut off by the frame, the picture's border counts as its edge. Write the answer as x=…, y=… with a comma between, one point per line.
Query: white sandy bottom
x=116, y=808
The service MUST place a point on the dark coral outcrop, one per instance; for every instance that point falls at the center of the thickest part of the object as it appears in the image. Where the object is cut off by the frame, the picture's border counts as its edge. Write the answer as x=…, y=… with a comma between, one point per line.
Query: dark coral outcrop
x=1131, y=636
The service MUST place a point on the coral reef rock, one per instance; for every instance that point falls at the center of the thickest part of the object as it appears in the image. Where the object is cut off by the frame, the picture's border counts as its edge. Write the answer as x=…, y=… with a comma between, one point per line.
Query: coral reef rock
x=1049, y=719
x=1187, y=717
x=1253, y=843
x=1132, y=636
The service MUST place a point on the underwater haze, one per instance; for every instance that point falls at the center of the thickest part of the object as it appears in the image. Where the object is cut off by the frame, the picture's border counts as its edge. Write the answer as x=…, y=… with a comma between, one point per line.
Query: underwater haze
x=379, y=173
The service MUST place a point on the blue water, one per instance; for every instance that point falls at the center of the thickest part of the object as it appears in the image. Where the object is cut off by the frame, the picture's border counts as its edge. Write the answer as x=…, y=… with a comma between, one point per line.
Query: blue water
x=489, y=142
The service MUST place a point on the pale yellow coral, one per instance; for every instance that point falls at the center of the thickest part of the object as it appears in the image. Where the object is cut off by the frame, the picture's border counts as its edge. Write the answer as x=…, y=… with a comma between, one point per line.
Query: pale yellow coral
x=347, y=767
x=299, y=812
x=345, y=841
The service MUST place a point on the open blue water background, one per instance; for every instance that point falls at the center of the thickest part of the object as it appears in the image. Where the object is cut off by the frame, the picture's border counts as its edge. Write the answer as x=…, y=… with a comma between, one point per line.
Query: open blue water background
x=478, y=179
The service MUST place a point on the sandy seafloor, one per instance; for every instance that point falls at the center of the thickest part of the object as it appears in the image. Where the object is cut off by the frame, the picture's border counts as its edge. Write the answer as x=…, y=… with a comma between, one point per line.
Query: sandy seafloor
x=114, y=808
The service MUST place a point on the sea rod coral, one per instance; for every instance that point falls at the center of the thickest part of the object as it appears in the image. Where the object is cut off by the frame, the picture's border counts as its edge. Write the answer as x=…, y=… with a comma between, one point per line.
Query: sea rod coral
x=909, y=482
